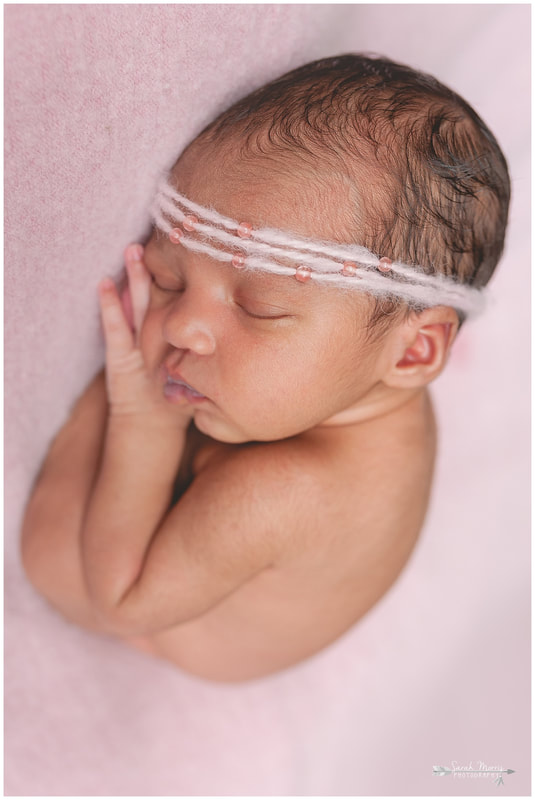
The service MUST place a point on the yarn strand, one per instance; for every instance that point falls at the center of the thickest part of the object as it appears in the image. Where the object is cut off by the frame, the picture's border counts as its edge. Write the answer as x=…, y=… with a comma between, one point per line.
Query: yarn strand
x=323, y=262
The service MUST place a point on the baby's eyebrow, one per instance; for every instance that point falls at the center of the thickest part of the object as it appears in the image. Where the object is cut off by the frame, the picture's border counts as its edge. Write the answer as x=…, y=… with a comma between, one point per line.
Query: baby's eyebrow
x=276, y=286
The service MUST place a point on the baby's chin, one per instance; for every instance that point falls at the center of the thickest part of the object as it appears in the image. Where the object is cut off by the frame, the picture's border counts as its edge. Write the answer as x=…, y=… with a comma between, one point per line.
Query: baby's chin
x=219, y=430
x=226, y=433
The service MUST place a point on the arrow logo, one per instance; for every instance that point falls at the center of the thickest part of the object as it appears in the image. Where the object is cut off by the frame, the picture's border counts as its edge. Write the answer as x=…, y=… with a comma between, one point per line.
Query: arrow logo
x=441, y=771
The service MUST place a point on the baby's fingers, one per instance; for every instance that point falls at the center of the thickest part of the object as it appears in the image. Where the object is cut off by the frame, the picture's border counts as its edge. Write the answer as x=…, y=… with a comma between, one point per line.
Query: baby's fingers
x=139, y=285
x=119, y=337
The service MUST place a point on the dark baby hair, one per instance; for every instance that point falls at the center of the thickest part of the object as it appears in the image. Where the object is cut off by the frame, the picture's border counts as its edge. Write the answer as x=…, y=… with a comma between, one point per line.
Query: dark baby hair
x=431, y=183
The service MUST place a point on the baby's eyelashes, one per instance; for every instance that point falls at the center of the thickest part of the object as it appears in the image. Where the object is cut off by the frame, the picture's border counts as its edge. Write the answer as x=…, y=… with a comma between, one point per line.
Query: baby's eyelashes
x=262, y=311
x=163, y=288
x=162, y=281
x=249, y=305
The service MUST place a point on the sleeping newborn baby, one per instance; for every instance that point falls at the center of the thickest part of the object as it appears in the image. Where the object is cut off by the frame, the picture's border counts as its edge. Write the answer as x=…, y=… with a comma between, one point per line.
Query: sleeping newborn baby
x=250, y=471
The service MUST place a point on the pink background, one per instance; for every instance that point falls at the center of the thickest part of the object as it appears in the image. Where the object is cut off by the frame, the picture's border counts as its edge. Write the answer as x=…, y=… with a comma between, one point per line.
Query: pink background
x=98, y=100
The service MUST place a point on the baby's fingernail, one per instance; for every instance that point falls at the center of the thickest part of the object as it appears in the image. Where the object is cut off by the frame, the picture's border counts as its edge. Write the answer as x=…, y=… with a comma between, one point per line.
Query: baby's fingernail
x=134, y=252
x=106, y=284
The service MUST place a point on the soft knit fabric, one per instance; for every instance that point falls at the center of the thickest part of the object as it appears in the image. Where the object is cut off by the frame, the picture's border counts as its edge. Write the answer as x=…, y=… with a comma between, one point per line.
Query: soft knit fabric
x=99, y=100
x=284, y=253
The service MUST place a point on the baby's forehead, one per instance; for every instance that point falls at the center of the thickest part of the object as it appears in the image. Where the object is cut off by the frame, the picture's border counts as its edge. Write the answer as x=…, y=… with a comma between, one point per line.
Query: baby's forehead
x=270, y=191
x=255, y=217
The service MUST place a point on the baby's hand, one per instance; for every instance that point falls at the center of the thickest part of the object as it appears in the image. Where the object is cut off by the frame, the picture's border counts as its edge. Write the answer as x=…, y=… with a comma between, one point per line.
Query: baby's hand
x=130, y=388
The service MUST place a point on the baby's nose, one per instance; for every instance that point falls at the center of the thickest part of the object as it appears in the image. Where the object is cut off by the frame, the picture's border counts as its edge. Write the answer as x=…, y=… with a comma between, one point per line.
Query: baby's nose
x=190, y=325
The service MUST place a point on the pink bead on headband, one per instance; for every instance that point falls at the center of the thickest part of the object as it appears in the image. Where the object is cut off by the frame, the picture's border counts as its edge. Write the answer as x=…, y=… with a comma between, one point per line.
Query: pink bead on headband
x=283, y=253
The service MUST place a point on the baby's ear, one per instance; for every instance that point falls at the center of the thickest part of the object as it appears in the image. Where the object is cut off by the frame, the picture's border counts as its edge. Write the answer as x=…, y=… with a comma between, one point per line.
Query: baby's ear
x=425, y=341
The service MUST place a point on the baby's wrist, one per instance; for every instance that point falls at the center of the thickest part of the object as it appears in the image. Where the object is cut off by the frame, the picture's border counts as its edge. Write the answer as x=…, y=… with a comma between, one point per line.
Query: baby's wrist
x=129, y=416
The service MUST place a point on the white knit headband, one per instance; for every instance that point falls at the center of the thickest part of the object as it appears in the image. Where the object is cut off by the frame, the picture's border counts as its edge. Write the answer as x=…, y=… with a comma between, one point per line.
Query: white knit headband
x=345, y=266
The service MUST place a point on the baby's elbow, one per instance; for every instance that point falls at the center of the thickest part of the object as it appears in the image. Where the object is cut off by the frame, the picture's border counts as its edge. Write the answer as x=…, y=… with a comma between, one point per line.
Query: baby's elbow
x=36, y=544
x=121, y=622
x=31, y=556
x=138, y=614
x=118, y=615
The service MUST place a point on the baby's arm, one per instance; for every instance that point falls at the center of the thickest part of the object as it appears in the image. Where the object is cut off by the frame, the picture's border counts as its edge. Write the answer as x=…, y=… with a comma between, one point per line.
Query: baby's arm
x=63, y=493
x=147, y=570
x=56, y=507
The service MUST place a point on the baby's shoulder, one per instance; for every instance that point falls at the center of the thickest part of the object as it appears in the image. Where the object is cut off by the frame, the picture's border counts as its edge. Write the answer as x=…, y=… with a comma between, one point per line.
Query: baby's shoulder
x=326, y=479
x=290, y=473
x=295, y=462
x=326, y=500
x=300, y=481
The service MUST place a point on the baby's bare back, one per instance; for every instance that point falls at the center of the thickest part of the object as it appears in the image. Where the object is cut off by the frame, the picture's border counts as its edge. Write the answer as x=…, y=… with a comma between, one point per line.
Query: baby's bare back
x=377, y=477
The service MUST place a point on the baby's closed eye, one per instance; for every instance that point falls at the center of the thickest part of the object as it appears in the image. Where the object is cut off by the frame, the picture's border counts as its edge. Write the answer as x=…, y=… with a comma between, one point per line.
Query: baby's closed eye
x=162, y=279
x=167, y=284
x=259, y=309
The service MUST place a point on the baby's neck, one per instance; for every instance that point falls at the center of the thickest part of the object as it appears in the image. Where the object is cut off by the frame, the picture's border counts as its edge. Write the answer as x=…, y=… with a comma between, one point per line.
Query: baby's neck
x=377, y=405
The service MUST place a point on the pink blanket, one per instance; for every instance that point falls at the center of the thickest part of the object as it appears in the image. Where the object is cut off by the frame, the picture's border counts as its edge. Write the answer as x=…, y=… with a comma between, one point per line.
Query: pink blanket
x=98, y=100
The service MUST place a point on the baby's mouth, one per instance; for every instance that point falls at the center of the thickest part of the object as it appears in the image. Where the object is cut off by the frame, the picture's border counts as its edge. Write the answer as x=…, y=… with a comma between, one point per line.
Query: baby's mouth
x=175, y=382
x=176, y=389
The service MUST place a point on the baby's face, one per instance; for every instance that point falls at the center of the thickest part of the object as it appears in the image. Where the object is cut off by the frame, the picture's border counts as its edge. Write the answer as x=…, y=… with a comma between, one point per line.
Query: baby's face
x=272, y=357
